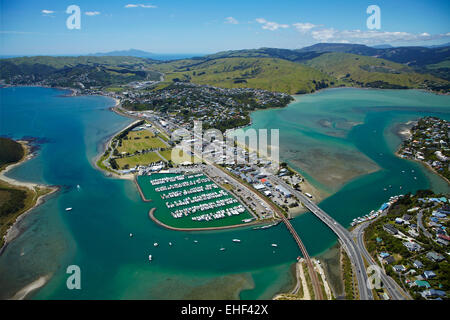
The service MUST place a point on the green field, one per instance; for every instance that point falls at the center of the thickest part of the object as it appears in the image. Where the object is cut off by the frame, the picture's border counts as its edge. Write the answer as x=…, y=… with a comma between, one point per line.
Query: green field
x=137, y=160
x=140, y=140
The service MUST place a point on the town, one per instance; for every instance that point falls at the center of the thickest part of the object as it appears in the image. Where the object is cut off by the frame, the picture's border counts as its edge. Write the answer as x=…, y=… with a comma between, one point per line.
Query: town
x=429, y=143
x=409, y=241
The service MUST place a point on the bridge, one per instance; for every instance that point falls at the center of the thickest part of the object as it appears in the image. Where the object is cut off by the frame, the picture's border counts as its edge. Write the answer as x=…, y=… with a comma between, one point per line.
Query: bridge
x=343, y=235
x=318, y=294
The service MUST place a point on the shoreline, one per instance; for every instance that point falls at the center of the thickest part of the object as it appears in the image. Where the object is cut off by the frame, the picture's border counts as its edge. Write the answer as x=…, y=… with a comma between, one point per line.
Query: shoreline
x=423, y=163
x=12, y=232
x=166, y=226
x=403, y=136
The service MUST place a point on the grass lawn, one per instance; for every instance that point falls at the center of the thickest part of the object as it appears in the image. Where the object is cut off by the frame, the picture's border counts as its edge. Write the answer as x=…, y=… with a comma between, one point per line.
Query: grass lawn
x=137, y=141
x=141, y=159
x=167, y=154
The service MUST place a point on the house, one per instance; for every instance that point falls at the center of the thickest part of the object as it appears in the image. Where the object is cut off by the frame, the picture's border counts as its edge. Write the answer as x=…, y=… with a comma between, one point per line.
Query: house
x=429, y=274
x=422, y=284
x=418, y=264
x=413, y=233
x=384, y=255
x=433, y=293
x=283, y=191
x=434, y=256
x=388, y=260
x=399, y=268
x=390, y=228
x=442, y=242
x=407, y=217
x=444, y=237
x=412, y=246
x=399, y=221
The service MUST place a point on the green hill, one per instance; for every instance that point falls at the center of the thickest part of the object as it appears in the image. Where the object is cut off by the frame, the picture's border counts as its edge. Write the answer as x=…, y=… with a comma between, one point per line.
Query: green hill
x=10, y=151
x=365, y=71
x=271, y=74
x=71, y=71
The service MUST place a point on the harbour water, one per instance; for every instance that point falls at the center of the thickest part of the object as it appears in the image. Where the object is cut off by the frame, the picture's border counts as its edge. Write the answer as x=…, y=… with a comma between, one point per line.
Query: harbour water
x=348, y=130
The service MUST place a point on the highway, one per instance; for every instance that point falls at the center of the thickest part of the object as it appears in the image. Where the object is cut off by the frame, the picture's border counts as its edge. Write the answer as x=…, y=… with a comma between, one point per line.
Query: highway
x=344, y=236
x=212, y=166
x=394, y=290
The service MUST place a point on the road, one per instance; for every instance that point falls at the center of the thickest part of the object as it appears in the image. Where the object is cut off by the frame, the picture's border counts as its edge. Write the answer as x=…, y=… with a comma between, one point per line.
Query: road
x=420, y=224
x=344, y=236
x=394, y=290
x=313, y=275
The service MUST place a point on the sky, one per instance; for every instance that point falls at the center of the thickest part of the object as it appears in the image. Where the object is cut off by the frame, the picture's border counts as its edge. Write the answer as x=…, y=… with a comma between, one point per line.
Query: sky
x=33, y=27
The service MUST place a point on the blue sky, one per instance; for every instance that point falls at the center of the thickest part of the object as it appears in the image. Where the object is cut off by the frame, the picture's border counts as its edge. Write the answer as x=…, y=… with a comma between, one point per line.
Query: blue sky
x=174, y=26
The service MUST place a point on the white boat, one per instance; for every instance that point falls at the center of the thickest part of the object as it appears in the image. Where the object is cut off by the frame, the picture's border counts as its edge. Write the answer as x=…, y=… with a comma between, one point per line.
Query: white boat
x=68, y=209
x=155, y=244
x=170, y=243
x=131, y=235
x=236, y=240
x=222, y=249
x=149, y=257
x=274, y=245
x=195, y=241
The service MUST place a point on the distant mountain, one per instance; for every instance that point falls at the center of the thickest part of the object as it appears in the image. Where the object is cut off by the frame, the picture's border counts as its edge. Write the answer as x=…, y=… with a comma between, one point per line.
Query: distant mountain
x=382, y=46
x=440, y=45
x=340, y=47
x=412, y=56
x=144, y=54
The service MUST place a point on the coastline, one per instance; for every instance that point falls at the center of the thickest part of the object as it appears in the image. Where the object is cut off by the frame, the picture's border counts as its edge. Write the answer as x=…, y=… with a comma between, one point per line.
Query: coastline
x=405, y=134
x=39, y=196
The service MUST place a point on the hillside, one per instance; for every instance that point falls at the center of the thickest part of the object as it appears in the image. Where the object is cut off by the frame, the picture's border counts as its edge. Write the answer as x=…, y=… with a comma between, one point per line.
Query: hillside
x=263, y=73
x=71, y=71
x=356, y=70
x=10, y=151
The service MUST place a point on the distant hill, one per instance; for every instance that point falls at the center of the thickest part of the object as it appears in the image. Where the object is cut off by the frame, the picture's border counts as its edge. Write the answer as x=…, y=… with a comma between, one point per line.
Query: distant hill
x=73, y=71
x=374, y=72
x=382, y=46
x=144, y=54
x=413, y=56
x=125, y=53
x=262, y=73
x=10, y=151
x=292, y=71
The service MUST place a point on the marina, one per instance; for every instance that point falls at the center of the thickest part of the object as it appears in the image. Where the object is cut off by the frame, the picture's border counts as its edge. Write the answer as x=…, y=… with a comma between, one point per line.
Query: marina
x=193, y=200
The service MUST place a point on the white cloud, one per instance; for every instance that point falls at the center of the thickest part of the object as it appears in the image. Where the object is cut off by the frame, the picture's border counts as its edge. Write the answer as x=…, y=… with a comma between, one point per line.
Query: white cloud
x=372, y=37
x=92, y=13
x=272, y=26
x=304, y=27
x=231, y=20
x=140, y=5
x=47, y=12
x=369, y=37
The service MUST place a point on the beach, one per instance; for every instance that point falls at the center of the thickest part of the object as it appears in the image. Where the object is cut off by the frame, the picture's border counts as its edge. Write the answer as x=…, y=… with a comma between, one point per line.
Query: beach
x=41, y=192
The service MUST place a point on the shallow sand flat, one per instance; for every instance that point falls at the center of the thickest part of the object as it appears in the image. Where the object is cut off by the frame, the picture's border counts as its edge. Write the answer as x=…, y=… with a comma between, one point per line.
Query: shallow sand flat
x=20, y=295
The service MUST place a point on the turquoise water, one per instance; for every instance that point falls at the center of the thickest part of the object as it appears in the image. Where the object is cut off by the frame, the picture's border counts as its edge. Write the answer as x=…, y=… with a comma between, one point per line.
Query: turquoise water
x=95, y=235
x=334, y=137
